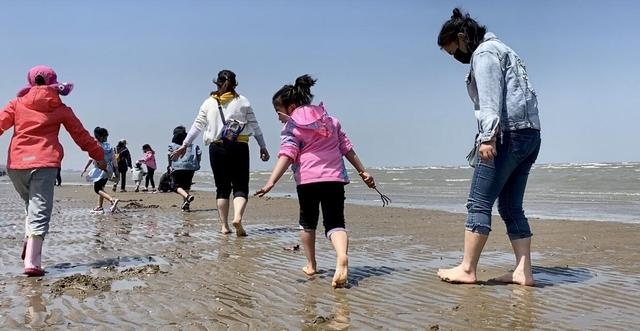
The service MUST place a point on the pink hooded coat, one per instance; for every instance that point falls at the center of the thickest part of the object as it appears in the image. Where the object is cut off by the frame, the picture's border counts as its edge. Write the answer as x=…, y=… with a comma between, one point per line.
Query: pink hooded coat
x=36, y=118
x=149, y=159
x=316, y=144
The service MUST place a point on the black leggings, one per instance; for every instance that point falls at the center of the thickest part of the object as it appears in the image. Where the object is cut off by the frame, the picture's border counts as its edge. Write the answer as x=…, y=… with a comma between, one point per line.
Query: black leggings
x=230, y=166
x=329, y=196
x=149, y=178
x=123, y=177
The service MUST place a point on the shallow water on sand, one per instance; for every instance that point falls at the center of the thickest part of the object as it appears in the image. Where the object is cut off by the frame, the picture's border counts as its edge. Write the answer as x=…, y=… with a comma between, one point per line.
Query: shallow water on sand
x=589, y=191
x=165, y=269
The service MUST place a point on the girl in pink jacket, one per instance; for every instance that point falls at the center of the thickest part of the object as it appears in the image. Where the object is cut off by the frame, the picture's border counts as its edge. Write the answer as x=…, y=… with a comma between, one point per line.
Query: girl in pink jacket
x=149, y=159
x=35, y=153
x=313, y=143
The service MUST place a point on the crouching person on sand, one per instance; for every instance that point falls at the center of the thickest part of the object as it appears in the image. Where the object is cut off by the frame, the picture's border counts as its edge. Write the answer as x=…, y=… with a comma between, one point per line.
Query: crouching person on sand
x=35, y=153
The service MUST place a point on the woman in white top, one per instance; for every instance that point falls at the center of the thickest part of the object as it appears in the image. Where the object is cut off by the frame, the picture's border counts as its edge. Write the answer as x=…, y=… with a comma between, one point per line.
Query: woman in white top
x=229, y=159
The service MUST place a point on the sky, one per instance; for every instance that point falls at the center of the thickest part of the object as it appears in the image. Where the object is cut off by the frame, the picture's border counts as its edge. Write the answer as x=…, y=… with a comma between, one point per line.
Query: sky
x=140, y=68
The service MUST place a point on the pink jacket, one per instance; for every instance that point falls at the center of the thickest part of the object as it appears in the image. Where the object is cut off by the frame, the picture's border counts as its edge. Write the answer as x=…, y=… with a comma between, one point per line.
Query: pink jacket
x=316, y=144
x=149, y=159
x=36, y=118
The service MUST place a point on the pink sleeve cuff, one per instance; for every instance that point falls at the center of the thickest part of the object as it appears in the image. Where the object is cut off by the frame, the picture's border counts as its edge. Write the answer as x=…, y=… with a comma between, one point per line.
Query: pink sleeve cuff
x=345, y=145
x=289, y=152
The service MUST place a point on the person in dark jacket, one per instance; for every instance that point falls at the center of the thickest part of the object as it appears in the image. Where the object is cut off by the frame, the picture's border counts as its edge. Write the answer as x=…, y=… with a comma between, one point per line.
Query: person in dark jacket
x=123, y=157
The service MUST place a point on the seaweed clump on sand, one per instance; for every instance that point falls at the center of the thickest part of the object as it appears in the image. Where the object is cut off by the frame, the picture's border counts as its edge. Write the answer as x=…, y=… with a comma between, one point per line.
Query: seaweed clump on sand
x=80, y=286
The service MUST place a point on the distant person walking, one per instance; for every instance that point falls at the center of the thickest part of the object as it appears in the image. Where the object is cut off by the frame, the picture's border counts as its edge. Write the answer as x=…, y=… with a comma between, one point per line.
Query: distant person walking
x=149, y=159
x=313, y=143
x=226, y=121
x=123, y=158
x=99, y=177
x=183, y=168
x=507, y=144
x=35, y=153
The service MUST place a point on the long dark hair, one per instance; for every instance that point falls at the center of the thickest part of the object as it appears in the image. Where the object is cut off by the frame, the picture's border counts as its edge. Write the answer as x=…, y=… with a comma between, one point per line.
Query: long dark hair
x=458, y=22
x=226, y=82
x=298, y=94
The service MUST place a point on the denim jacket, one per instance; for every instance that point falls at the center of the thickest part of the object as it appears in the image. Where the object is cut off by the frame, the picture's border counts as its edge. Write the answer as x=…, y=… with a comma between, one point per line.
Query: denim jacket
x=96, y=173
x=500, y=90
x=189, y=161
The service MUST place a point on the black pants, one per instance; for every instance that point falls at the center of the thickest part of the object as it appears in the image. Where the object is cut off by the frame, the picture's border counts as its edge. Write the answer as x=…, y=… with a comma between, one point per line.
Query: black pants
x=123, y=177
x=99, y=185
x=182, y=179
x=149, y=178
x=230, y=166
x=329, y=196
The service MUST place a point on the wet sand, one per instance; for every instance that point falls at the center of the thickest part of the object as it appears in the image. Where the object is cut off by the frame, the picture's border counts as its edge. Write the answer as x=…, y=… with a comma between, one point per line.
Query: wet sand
x=154, y=266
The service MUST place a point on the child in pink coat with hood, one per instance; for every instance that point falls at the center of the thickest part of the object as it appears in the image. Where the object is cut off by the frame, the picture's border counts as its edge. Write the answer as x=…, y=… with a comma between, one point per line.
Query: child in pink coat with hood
x=35, y=153
x=149, y=159
x=313, y=143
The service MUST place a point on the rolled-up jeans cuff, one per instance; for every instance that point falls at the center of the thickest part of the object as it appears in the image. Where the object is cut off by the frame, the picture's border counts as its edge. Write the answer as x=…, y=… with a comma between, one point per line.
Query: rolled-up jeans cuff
x=478, y=223
x=478, y=228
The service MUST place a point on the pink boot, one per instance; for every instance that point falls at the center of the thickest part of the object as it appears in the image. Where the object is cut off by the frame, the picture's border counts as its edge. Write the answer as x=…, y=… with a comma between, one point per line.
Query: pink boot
x=33, y=257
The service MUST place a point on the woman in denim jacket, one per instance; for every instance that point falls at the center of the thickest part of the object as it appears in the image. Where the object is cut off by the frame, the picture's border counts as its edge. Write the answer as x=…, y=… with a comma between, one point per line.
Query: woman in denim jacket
x=508, y=143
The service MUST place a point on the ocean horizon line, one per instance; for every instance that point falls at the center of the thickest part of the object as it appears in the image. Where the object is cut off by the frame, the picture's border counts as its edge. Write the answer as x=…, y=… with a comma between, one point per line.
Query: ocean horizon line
x=459, y=166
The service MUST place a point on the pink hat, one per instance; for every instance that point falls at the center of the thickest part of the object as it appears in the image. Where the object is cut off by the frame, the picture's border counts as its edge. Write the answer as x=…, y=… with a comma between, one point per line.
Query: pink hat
x=50, y=79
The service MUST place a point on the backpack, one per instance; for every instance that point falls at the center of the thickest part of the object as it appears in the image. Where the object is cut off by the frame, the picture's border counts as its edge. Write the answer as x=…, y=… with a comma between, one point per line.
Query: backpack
x=166, y=182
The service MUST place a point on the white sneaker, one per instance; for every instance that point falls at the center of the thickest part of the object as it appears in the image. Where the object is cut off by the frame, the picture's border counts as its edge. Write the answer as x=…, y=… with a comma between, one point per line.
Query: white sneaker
x=114, y=206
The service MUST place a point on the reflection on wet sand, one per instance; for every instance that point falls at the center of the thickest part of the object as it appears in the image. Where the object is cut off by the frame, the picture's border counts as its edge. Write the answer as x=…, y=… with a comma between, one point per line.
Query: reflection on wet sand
x=334, y=314
x=162, y=268
x=36, y=312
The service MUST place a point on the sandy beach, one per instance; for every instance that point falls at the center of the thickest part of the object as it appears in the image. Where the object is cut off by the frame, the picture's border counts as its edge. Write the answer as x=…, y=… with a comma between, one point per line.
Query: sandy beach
x=152, y=266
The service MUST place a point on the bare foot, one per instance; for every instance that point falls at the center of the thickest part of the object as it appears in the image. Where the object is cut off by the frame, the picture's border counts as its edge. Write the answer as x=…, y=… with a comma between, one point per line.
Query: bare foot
x=240, y=232
x=516, y=277
x=225, y=230
x=309, y=270
x=342, y=273
x=457, y=275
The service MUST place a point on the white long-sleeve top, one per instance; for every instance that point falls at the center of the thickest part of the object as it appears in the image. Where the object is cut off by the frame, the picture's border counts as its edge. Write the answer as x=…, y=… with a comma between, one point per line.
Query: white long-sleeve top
x=209, y=122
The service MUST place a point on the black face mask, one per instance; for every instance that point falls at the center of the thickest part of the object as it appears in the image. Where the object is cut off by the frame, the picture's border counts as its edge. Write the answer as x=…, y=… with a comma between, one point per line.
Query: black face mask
x=462, y=56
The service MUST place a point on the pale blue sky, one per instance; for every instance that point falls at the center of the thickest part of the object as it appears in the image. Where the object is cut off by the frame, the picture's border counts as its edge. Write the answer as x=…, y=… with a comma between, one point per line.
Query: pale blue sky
x=143, y=67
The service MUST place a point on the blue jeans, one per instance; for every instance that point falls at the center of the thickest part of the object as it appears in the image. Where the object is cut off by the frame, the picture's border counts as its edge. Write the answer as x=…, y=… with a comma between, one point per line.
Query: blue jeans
x=504, y=178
